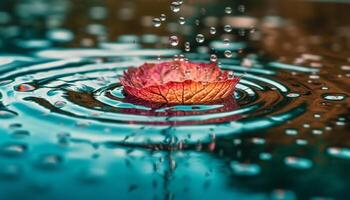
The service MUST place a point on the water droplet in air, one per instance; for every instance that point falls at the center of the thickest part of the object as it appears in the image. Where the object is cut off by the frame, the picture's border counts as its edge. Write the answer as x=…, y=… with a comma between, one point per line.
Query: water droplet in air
x=213, y=58
x=175, y=6
x=228, y=10
x=182, y=20
x=162, y=17
x=156, y=22
x=200, y=38
x=174, y=40
x=50, y=161
x=212, y=30
x=227, y=28
x=187, y=46
x=228, y=54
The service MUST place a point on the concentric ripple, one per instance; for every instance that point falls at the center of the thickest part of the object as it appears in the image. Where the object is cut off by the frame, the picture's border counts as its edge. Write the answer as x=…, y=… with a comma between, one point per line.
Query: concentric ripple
x=80, y=94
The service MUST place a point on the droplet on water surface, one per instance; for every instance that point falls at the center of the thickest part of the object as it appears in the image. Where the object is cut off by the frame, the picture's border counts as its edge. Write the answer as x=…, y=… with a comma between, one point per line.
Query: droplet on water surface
x=4, y=114
x=25, y=87
x=334, y=97
x=10, y=171
x=13, y=149
x=298, y=163
x=245, y=169
x=60, y=104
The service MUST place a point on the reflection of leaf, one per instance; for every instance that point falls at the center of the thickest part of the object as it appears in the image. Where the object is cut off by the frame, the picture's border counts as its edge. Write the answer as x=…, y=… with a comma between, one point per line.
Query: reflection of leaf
x=179, y=82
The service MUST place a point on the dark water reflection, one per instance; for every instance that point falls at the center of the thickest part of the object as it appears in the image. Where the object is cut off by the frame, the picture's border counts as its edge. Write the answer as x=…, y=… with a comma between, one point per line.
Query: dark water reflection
x=67, y=130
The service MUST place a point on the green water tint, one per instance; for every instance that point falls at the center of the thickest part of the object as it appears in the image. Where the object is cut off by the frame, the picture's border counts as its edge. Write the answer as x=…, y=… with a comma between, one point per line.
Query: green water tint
x=67, y=109
x=67, y=130
x=84, y=90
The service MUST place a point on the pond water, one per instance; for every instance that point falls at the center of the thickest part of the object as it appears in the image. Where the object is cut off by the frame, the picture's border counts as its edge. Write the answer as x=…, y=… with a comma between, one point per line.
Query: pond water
x=67, y=130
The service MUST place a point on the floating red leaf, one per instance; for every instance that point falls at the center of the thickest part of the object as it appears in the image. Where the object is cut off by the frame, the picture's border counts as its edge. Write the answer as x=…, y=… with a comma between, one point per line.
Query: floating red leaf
x=179, y=82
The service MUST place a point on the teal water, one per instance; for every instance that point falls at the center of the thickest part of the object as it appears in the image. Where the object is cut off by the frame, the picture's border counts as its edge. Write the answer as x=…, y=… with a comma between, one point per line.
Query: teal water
x=66, y=121
x=68, y=131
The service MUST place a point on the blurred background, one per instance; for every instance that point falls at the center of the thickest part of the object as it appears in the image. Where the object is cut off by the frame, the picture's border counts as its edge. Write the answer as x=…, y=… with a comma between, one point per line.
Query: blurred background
x=84, y=23
x=309, y=35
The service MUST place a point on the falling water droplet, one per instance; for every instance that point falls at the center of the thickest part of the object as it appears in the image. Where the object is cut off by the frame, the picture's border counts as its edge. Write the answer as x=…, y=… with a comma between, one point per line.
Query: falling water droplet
x=228, y=10
x=175, y=6
x=212, y=30
x=182, y=20
x=228, y=54
x=174, y=40
x=213, y=58
x=227, y=28
x=200, y=38
x=157, y=22
x=162, y=17
x=187, y=46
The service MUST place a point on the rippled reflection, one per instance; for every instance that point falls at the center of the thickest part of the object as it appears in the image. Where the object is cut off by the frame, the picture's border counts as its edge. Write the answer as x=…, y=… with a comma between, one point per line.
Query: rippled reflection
x=67, y=129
